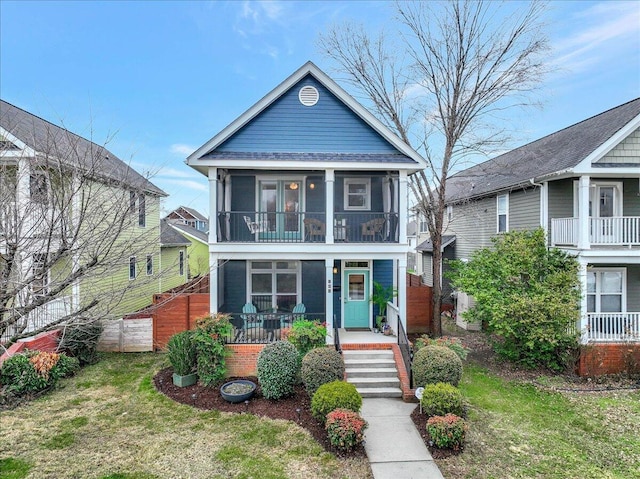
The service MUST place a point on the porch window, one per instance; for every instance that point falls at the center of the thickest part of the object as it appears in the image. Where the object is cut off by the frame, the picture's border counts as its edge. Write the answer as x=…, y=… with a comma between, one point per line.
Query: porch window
x=357, y=194
x=605, y=290
x=274, y=285
x=503, y=213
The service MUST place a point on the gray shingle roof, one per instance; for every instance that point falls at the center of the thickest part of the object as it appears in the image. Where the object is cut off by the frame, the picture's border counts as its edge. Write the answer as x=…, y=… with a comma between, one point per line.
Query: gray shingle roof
x=201, y=235
x=59, y=144
x=195, y=213
x=427, y=246
x=286, y=156
x=170, y=237
x=554, y=153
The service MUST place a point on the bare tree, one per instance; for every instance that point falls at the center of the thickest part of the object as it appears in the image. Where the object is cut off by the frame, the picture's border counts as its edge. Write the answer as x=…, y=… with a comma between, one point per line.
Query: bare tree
x=71, y=217
x=441, y=83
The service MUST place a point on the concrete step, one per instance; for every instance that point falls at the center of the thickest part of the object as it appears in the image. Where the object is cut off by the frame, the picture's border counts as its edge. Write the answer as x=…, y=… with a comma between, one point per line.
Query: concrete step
x=380, y=392
x=367, y=354
x=361, y=372
x=374, y=382
x=370, y=363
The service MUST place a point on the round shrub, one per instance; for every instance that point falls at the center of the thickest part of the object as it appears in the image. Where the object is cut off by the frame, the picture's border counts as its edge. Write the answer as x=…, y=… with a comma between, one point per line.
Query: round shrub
x=334, y=395
x=345, y=429
x=306, y=335
x=35, y=371
x=80, y=340
x=278, y=368
x=436, y=364
x=440, y=399
x=321, y=366
x=447, y=432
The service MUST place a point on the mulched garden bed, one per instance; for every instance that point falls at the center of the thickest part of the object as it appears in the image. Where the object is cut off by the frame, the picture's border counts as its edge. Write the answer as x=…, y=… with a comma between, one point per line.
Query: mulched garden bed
x=295, y=408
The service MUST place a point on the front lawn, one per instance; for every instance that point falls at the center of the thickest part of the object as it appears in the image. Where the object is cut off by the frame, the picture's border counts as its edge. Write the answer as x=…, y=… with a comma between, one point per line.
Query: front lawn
x=109, y=422
x=521, y=430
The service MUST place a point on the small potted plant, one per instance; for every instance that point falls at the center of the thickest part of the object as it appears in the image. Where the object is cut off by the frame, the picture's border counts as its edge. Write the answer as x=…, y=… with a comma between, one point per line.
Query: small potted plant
x=182, y=356
x=380, y=297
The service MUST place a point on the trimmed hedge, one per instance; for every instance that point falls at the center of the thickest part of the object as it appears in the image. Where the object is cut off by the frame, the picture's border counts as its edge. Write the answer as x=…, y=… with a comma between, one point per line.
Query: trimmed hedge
x=278, y=369
x=440, y=399
x=436, y=364
x=35, y=371
x=335, y=395
x=321, y=366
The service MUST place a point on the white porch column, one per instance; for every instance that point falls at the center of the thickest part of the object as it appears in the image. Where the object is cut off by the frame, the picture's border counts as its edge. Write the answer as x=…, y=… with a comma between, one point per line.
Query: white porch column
x=402, y=291
x=544, y=208
x=582, y=275
x=403, y=209
x=328, y=307
x=213, y=282
x=213, y=205
x=583, y=212
x=329, y=181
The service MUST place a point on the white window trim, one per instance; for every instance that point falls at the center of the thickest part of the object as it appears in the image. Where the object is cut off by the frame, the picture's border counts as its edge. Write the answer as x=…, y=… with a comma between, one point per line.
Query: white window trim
x=359, y=181
x=618, y=206
x=506, y=196
x=598, y=292
x=149, y=257
x=135, y=268
x=272, y=271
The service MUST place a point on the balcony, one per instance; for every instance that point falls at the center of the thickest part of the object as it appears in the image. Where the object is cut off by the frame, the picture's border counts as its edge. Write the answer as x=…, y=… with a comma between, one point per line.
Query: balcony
x=612, y=327
x=306, y=227
x=611, y=231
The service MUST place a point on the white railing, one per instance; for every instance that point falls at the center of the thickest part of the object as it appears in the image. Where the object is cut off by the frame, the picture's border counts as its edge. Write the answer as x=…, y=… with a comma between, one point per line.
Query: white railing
x=40, y=317
x=614, y=231
x=393, y=316
x=612, y=327
x=564, y=231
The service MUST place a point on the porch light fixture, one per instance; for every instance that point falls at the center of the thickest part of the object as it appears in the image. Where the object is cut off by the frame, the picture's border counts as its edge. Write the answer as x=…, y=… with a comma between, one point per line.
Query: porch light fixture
x=312, y=186
x=335, y=270
x=293, y=185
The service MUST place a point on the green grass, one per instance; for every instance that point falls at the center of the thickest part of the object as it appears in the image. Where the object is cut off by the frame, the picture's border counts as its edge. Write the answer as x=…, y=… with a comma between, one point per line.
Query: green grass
x=518, y=430
x=109, y=422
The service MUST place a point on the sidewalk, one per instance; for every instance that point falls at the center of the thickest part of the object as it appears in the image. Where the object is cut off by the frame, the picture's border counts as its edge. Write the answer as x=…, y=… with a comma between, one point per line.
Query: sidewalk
x=393, y=445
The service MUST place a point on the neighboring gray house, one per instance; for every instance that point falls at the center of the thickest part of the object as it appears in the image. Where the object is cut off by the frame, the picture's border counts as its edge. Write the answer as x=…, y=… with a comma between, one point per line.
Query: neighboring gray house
x=582, y=185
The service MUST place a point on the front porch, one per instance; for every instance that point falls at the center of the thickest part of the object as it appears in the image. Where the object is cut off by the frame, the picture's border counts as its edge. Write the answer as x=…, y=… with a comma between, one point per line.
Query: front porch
x=611, y=328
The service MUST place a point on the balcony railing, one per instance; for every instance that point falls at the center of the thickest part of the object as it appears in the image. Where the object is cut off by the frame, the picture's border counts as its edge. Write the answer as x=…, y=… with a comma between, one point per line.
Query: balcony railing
x=40, y=317
x=613, y=231
x=612, y=327
x=263, y=328
x=306, y=227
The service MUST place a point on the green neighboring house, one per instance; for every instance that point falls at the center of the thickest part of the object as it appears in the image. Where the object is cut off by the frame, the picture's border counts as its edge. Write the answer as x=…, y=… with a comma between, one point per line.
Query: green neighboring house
x=79, y=228
x=198, y=249
x=173, y=257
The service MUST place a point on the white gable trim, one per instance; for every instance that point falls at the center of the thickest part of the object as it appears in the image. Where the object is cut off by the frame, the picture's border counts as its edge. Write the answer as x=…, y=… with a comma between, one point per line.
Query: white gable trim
x=184, y=233
x=333, y=87
x=25, y=150
x=584, y=167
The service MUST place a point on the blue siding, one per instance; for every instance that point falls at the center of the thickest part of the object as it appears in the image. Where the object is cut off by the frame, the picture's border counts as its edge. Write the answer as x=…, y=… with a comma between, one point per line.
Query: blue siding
x=383, y=274
x=313, y=286
x=315, y=197
x=243, y=198
x=288, y=126
x=235, y=286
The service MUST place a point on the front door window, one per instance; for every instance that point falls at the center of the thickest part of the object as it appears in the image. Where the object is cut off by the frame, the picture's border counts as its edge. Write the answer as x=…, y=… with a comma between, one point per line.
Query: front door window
x=356, y=302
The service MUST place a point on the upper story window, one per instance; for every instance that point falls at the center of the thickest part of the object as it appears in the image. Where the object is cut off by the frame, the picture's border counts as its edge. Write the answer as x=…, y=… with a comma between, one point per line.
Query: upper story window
x=503, y=213
x=449, y=213
x=424, y=227
x=132, y=201
x=132, y=267
x=38, y=189
x=181, y=262
x=142, y=211
x=149, y=264
x=357, y=194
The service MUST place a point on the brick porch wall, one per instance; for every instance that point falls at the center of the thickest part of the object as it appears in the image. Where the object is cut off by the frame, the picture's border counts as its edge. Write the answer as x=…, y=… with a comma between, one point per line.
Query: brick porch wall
x=243, y=359
x=613, y=358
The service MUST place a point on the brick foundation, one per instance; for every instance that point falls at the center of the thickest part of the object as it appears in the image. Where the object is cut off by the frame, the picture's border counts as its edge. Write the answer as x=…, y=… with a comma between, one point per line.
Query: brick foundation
x=613, y=358
x=243, y=359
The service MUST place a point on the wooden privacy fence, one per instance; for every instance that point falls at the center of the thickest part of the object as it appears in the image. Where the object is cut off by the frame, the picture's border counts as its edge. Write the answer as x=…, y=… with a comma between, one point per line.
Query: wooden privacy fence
x=419, y=305
x=174, y=313
x=127, y=335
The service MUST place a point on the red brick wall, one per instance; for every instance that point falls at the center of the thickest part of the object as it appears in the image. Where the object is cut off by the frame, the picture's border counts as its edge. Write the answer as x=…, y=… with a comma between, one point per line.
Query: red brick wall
x=614, y=358
x=243, y=360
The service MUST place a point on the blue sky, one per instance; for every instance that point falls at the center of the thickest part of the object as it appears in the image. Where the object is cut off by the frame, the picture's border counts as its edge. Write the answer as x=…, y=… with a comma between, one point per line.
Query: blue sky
x=158, y=79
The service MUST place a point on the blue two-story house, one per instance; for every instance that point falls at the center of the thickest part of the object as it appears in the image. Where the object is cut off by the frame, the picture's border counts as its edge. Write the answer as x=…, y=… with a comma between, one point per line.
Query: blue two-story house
x=308, y=202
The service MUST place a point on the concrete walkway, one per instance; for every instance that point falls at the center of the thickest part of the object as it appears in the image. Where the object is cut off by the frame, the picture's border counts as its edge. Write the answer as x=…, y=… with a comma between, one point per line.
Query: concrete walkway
x=392, y=442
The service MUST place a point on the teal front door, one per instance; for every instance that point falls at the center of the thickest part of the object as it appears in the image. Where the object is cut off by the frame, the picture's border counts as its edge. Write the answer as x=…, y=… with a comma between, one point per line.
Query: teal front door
x=356, y=299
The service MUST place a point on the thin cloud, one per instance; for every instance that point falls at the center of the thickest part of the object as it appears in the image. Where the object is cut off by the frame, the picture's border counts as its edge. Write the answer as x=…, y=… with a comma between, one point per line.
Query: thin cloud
x=182, y=149
x=176, y=173
x=190, y=184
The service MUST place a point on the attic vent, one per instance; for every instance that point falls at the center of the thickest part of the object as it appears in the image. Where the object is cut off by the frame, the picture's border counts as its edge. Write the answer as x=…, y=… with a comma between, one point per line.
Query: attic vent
x=308, y=95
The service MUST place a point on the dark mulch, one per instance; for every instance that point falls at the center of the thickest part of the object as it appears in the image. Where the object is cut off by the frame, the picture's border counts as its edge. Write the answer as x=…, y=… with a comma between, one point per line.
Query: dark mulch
x=296, y=408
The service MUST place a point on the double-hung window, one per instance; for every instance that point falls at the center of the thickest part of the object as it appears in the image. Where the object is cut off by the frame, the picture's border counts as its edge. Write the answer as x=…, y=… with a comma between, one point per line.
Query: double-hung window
x=605, y=290
x=149, y=264
x=274, y=285
x=357, y=194
x=142, y=211
x=502, y=207
x=132, y=268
